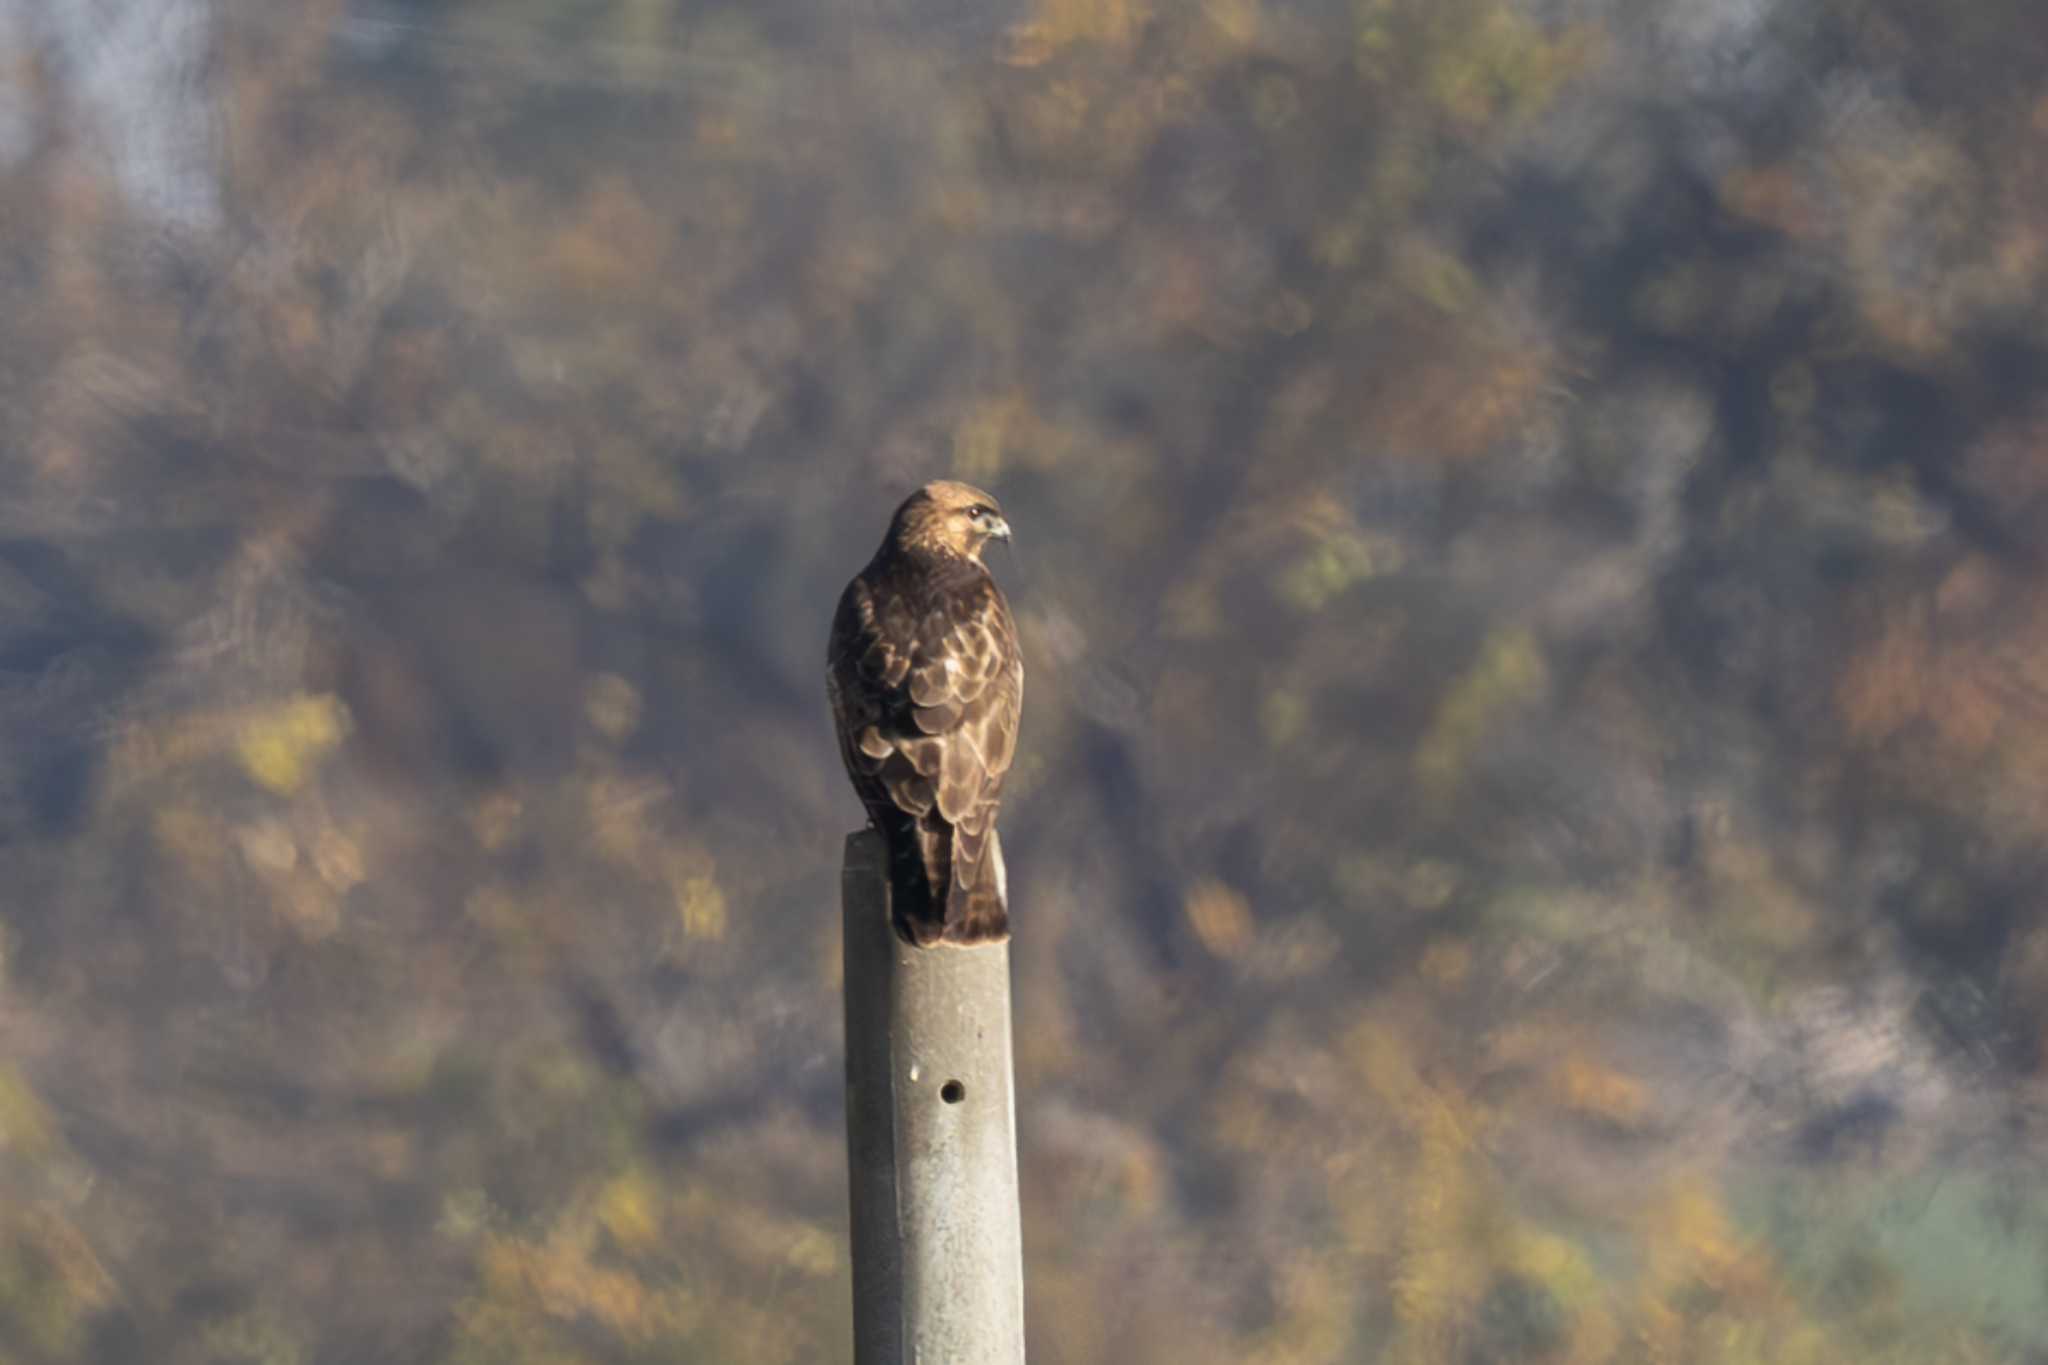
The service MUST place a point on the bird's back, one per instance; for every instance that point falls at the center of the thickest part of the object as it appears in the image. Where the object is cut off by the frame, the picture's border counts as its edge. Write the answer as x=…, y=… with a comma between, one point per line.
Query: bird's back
x=926, y=683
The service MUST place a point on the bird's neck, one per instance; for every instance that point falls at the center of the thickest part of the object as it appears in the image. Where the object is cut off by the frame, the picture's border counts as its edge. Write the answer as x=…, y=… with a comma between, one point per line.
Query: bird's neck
x=930, y=557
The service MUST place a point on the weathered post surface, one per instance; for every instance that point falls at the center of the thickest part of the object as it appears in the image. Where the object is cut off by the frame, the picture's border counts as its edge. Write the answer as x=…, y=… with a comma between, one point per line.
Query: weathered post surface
x=931, y=1139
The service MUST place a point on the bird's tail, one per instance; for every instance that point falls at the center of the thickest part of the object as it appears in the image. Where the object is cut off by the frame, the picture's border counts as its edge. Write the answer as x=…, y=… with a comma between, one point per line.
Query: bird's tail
x=946, y=882
x=918, y=917
x=978, y=899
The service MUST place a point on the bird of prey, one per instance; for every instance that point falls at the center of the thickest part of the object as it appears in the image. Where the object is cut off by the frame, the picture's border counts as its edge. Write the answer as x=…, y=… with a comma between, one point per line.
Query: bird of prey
x=926, y=683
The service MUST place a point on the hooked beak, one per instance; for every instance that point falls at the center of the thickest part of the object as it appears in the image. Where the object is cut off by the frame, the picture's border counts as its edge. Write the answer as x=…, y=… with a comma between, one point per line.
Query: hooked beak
x=999, y=529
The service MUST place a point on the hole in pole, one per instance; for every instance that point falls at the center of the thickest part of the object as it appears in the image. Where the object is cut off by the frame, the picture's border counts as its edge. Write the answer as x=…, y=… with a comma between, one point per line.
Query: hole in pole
x=952, y=1092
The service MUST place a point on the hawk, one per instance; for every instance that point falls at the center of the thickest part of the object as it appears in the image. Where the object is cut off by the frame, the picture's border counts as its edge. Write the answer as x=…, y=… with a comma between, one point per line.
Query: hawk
x=926, y=683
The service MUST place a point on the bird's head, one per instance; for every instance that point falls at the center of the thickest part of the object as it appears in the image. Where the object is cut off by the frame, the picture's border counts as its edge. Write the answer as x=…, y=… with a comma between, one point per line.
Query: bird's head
x=948, y=518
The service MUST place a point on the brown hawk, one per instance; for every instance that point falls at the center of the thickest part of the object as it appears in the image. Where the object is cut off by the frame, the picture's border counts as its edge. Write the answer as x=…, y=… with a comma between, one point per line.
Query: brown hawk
x=926, y=682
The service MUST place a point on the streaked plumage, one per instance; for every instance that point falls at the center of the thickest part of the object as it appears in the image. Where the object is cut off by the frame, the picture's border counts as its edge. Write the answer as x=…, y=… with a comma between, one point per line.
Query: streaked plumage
x=926, y=682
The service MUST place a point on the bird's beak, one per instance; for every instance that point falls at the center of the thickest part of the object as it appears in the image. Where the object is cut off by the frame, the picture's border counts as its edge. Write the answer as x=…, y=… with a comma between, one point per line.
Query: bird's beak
x=999, y=529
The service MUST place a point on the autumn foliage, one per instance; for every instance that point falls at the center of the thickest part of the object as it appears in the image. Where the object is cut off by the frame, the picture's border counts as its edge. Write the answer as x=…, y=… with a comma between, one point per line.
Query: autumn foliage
x=1529, y=832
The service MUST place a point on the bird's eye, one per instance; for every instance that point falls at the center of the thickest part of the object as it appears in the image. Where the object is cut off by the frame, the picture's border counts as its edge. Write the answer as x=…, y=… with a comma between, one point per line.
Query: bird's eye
x=975, y=513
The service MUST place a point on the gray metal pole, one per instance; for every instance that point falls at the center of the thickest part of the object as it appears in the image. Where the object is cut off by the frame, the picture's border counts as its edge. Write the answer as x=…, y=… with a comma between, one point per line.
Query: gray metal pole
x=931, y=1139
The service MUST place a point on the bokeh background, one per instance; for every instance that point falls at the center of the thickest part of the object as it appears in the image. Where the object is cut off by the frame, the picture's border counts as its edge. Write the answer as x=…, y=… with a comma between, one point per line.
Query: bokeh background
x=1530, y=833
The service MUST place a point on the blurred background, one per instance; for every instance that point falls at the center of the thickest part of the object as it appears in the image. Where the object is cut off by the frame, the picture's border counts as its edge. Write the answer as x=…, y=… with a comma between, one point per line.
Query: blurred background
x=1530, y=832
